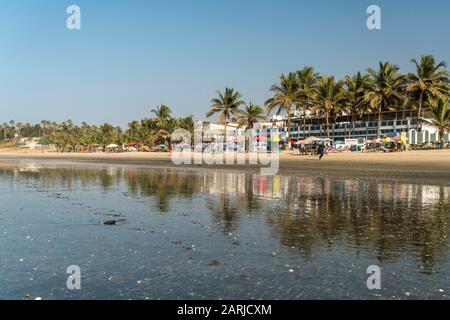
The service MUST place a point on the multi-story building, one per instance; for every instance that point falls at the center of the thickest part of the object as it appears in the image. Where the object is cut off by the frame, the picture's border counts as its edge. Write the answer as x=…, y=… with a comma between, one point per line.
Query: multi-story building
x=358, y=127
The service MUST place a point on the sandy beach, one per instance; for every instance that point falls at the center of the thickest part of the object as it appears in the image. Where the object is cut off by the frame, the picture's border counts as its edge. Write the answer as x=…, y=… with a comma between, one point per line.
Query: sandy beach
x=430, y=166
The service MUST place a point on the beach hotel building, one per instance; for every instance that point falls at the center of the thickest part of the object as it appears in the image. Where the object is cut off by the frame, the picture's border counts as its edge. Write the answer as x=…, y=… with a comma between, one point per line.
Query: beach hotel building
x=364, y=127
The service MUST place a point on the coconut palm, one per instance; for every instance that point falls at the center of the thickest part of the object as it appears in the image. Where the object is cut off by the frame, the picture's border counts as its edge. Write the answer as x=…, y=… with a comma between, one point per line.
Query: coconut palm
x=440, y=112
x=107, y=134
x=226, y=105
x=328, y=100
x=285, y=99
x=307, y=80
x=385, y=90
x=250, y=115
x=355, y=104
x=430, y=81
x=162, y=115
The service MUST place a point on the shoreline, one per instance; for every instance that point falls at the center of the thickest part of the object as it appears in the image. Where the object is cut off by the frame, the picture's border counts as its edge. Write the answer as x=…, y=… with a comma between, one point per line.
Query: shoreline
x=418, y=166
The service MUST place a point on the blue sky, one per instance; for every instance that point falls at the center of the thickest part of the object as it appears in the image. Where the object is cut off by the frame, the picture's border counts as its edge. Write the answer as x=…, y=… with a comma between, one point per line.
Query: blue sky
x=131, y=55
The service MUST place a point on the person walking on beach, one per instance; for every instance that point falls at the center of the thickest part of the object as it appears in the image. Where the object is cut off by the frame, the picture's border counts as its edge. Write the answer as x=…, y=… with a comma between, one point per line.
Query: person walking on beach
x=320, y=150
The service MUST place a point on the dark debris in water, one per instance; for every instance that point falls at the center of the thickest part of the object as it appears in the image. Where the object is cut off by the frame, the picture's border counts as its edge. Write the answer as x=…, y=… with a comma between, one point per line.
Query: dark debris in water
x=112, y=222
x=214, y=263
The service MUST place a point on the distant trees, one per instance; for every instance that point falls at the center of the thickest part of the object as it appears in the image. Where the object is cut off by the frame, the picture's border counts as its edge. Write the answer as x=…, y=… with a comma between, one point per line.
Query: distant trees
x=67, y=136
x=324, y=96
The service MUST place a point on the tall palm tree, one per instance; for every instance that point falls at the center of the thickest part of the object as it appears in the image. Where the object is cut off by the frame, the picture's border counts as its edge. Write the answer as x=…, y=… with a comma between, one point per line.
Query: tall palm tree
x=19, y=127
x=133, y=130
x=440, y=112
x=226, y=105
x=162, y=115
x=328, y=100
x=250, y=115
x=286, y=98
x=385, y=90
x=6, y=130
x=307, y=79
x=355, y=104
x=430, y=81
x=107, y=134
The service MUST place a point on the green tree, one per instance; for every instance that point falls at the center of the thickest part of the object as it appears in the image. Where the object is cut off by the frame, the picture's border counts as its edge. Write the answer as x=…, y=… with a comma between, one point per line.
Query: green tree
x=226, y=105
x=162, y=115
x=355, y=91
x=440, y=112
x=250, y=115
x=430, y=81
x=328, y=100
x=307, y=79
x=107, y=134
x=385, y=90
x=286, y=97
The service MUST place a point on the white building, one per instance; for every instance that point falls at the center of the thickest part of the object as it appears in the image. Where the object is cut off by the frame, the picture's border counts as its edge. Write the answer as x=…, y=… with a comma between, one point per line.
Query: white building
x=30, y=143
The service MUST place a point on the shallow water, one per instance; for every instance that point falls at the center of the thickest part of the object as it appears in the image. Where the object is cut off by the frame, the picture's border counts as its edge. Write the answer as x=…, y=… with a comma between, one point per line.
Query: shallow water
x=186, y=234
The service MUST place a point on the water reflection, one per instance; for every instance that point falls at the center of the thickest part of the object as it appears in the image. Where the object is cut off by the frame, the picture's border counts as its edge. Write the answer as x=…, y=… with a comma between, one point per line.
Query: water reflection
x=383, y=219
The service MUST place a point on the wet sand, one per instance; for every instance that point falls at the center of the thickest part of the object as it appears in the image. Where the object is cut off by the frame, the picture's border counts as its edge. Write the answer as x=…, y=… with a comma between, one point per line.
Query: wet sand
x=419, y=166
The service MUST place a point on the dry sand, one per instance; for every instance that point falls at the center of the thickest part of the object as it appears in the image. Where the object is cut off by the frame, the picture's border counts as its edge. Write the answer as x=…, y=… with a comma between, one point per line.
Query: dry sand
x=430, y=166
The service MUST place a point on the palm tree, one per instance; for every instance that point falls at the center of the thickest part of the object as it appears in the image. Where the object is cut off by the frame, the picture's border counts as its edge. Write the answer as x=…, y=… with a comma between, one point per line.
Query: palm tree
x=307, y=80
x=385, y=89
x=440, y=112
x=431, y=81
x=6, y=130
x=250, y=115
x=107, y=134
x=133, y=130
x=162, y=115
x=286, y=98
x=226, y=105
x=19, y=127
x=355, y=103
x=328, y=100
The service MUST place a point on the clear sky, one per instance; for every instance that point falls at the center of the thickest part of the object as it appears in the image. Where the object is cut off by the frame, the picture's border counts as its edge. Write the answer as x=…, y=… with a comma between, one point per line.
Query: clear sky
x=131, y=55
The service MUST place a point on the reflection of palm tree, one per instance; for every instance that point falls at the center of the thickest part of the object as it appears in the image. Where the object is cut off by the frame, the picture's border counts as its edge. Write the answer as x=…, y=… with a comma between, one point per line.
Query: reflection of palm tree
x=224, y=212
x=313, y=214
